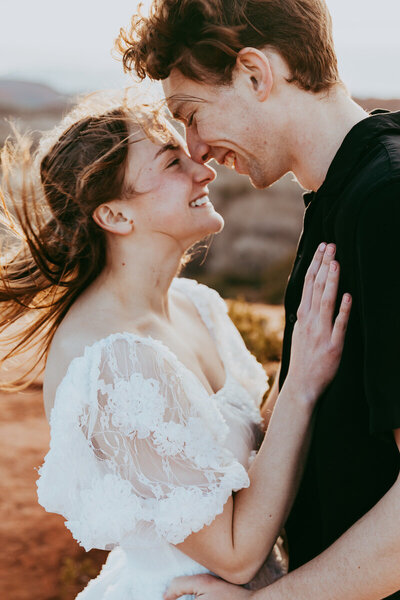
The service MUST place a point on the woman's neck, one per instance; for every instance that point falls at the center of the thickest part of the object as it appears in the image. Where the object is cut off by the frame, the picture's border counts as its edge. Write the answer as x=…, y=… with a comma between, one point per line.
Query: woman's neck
x=137, y=278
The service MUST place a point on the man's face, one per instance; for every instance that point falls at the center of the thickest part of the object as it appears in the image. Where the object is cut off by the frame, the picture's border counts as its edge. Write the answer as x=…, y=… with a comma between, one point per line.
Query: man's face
x=227, y=123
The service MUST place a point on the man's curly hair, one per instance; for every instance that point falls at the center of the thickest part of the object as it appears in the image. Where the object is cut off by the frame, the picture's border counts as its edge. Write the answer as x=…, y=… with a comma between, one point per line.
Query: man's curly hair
x=201, y=38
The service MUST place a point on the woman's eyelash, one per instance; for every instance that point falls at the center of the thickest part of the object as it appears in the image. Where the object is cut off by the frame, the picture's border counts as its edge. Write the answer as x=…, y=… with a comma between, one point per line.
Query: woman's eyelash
x=176, y=161
x=190, y=120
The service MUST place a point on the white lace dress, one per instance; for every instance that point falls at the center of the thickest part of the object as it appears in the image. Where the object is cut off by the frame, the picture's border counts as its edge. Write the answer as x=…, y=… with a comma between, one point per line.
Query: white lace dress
x=141, y=455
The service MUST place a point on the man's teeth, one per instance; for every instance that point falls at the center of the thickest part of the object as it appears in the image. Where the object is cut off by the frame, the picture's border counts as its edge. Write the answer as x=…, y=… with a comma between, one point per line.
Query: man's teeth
x=229, y=160
x=200, y=201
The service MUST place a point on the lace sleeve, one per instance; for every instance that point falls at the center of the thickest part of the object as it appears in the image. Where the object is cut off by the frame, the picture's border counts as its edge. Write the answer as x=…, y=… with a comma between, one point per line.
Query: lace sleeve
x=152, y=455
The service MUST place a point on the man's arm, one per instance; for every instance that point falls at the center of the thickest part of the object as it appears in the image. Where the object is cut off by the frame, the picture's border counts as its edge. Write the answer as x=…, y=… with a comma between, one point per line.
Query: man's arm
x=268, y=406
x=363, y=564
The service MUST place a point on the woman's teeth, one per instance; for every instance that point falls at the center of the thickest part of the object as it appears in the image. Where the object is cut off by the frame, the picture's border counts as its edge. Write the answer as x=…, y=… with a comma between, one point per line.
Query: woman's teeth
x=229, y=160
x=200, y=201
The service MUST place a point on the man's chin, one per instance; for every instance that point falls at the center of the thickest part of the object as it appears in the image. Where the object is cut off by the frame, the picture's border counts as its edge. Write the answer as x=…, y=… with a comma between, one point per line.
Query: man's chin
x=258, y=182
x=258, y=179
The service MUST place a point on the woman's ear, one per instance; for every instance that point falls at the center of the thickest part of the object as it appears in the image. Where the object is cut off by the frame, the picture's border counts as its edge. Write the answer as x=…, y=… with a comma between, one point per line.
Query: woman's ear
x=252, y=64
x=109, y=218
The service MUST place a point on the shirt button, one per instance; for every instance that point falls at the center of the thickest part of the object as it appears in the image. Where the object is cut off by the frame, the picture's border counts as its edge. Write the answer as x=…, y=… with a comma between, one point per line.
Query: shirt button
x=292, y=318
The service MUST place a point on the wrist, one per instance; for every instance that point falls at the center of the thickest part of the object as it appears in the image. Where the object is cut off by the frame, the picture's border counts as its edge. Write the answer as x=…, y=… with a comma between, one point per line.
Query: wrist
x=299, y=393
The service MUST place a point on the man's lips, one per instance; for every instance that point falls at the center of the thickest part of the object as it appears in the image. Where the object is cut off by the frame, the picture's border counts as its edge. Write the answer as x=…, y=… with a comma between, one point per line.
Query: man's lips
x=230, y=159
x=227, y=159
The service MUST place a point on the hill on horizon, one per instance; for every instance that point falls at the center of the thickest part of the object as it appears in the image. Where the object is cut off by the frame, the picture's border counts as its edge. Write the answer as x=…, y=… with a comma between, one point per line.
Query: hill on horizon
x=29, y=96
x=25, y=96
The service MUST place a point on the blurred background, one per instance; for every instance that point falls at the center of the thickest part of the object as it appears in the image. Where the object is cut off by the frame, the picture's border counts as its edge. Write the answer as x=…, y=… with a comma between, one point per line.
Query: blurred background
x=50, y=51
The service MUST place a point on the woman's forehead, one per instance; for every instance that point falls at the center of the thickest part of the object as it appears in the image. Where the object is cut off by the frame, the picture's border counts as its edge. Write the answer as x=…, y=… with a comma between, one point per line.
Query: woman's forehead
x=166, y=138
x=147, y=151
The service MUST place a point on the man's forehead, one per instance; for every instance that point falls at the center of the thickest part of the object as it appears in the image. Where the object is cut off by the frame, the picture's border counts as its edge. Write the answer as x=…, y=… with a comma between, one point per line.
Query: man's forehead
x=179, y=91
x=176, y=82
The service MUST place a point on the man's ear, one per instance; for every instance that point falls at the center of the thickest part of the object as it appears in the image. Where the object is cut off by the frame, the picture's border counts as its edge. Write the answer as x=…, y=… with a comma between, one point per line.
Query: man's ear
x=108, y=217
x=256, y=67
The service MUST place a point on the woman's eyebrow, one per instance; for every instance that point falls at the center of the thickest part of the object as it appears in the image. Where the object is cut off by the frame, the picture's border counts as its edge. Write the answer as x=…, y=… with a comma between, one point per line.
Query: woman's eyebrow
x=166, y=147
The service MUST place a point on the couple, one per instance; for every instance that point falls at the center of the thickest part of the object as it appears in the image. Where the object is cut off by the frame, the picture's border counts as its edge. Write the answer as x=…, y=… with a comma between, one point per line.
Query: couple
x=152, y=398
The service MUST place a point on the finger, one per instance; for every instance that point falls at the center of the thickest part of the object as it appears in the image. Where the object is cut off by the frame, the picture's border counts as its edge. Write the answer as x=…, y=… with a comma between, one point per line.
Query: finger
x=180, y=586
x=305, y=303
x=341, y=322
x=328, y=300
x=320, y=280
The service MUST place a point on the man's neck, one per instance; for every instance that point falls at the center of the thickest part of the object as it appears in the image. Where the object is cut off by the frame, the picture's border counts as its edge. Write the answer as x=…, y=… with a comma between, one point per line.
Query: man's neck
x=319, y=128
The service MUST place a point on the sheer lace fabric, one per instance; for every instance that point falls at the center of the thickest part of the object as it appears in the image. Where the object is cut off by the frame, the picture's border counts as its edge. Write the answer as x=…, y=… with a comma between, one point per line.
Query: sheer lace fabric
x=141, y=455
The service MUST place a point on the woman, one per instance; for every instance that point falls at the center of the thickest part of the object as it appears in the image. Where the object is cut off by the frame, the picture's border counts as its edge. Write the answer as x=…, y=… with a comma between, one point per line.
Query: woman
x=151, y=395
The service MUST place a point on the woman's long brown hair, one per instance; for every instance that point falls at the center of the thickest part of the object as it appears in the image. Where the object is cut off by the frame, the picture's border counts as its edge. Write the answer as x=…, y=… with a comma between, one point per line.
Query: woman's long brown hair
x=51, y=248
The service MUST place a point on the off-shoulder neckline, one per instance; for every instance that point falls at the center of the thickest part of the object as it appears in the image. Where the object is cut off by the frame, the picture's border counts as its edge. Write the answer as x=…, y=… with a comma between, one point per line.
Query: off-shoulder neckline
x=151, y=340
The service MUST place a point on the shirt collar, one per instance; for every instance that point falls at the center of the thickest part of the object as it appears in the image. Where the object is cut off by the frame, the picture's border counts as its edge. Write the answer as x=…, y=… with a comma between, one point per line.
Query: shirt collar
x=358, y=139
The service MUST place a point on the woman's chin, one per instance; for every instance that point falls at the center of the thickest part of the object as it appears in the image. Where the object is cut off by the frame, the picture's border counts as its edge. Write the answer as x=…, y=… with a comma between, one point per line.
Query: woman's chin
x=216, y=224
x=212, y=227
x=220, y=223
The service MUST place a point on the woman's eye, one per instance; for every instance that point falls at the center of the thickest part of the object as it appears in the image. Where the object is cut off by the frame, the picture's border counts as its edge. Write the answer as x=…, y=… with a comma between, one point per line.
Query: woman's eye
x=176, y=161
x=190, y=120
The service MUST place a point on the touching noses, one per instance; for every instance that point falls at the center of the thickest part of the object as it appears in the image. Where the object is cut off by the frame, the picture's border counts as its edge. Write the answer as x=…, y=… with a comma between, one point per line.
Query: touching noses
x=199, y=150
x=203, y=174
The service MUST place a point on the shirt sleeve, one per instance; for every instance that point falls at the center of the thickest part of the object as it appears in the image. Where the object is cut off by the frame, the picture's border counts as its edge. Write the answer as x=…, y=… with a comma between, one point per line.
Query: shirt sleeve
x=146, y=452
x=379, y=290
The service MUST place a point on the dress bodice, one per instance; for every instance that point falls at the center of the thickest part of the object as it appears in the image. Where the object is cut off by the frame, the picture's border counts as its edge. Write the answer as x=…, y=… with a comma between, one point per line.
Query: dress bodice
x=141, y=455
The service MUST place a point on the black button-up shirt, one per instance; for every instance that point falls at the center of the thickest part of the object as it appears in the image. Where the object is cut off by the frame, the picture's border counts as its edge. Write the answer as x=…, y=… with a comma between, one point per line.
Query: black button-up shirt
x=353, y=459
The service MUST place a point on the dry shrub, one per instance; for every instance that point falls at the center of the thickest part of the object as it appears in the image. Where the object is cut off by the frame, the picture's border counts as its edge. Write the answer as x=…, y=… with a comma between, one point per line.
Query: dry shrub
x=262, y=340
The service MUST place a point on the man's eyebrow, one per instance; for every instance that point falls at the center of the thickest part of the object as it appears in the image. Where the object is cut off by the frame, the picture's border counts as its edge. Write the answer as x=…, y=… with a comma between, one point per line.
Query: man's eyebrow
x=178, y=100
x=166, y=147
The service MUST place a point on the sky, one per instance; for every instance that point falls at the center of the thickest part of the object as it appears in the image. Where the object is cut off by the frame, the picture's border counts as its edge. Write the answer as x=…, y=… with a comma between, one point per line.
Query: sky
x=68, y=44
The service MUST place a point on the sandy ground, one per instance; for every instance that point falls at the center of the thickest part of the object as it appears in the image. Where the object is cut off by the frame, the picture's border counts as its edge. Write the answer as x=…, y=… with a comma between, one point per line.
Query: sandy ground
x=39, y=559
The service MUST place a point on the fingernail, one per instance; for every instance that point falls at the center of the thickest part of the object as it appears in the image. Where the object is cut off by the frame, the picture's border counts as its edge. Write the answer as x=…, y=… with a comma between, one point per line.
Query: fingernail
x=322, y=247
x=331, y=249
x=333, y=266
x=347, y=298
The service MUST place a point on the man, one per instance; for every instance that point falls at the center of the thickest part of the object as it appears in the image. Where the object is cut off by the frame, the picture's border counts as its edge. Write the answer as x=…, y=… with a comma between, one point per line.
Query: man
x=257, y=86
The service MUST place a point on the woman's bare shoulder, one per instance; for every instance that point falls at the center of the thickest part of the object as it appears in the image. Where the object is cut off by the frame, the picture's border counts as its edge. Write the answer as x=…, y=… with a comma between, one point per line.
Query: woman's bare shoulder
x=75, y=332
x=85, y=324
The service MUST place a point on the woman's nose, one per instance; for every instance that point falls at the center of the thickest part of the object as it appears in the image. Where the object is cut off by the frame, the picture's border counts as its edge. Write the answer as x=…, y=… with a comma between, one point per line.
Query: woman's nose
x=199, y=150
x=203, y=173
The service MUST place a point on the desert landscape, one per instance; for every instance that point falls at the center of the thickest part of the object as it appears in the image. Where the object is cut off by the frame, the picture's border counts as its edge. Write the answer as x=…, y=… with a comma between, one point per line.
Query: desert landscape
x=248, y=263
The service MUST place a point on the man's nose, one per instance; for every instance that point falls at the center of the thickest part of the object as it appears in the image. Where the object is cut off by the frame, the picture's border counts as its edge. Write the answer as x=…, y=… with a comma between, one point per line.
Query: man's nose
x=199, y=150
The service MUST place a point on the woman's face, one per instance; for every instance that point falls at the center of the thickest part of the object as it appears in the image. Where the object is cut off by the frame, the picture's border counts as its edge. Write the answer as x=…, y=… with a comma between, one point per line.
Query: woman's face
x=170, y=191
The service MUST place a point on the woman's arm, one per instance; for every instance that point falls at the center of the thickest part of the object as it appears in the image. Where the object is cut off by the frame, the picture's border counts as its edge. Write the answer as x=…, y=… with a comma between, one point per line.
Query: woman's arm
x=237, y=542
